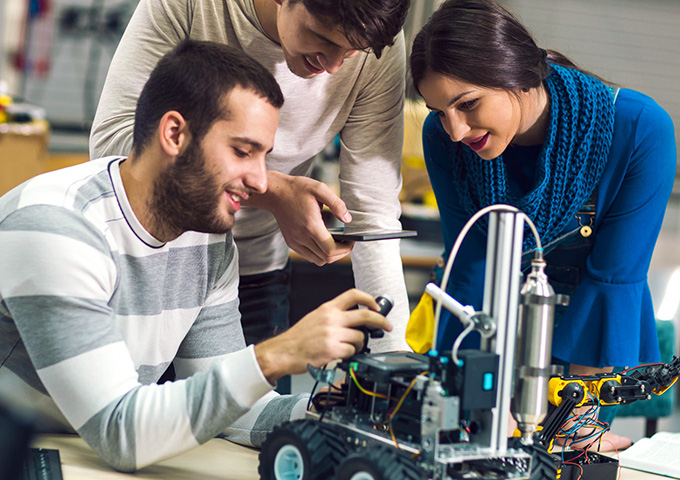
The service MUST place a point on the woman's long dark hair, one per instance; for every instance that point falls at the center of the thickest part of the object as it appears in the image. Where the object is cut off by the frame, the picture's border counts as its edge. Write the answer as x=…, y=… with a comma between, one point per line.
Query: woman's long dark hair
x=482, y=43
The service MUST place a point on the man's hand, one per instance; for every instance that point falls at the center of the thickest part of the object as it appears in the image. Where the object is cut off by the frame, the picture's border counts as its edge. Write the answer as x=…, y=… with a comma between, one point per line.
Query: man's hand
x=296, y=204
x=323, y=335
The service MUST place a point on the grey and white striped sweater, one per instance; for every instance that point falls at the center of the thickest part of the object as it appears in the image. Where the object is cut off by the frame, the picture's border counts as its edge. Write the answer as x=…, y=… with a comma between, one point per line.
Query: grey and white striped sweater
x=93, y=309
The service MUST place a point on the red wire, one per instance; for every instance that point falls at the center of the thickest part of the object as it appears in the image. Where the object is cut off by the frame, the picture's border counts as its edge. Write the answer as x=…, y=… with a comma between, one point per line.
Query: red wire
x=577, y=465
x=641, y=366
x=617, y=456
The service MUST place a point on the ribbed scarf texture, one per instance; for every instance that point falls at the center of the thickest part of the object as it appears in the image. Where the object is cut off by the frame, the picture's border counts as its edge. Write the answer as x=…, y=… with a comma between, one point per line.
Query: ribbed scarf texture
x=569, y=166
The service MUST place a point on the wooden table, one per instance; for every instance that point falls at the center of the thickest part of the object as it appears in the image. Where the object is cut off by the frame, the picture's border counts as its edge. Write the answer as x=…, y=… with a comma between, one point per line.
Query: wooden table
x=215, y=460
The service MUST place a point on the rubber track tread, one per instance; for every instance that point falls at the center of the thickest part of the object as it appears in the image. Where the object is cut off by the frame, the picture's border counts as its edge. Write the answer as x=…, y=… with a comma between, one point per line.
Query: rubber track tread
x=392, y=464
x=323, y=444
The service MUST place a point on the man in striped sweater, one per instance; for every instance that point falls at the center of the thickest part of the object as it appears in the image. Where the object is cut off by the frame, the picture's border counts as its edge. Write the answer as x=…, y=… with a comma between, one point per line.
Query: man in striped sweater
x=112, y=269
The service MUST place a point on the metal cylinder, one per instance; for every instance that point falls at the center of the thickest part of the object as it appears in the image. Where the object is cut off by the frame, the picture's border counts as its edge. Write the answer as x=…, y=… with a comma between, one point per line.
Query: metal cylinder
x=533, y=354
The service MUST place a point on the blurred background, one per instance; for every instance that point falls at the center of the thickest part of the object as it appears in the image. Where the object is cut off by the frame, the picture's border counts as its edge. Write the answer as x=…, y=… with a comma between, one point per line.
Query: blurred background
x=54, y=55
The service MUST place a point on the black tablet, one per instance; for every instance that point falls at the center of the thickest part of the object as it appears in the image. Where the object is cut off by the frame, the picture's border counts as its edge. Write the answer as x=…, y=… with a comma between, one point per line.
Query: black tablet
x=341, y=234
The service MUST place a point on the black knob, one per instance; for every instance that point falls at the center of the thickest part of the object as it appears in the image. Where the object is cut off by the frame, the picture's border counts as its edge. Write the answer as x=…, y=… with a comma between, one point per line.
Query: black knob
x=385, y=303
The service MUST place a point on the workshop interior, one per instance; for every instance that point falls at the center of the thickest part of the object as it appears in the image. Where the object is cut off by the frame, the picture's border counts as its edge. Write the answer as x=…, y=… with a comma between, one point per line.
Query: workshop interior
x=430, y=414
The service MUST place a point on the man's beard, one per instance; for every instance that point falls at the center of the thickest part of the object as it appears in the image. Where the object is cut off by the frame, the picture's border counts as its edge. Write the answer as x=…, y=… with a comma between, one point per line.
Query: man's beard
x=186, y=198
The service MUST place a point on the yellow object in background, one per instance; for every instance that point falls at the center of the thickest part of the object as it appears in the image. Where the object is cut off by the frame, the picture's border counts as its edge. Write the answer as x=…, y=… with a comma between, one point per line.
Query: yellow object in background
x=5, y=101
x=415, y=113
x=420, y=327
x=429, y=199
x=413, y=171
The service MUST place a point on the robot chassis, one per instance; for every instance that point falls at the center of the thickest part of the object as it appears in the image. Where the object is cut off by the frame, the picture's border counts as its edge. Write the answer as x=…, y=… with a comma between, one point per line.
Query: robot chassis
x=409, y=416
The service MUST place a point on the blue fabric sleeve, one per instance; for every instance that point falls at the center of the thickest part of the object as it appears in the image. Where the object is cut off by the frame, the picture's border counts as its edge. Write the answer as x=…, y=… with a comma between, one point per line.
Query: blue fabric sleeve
x=610, y=321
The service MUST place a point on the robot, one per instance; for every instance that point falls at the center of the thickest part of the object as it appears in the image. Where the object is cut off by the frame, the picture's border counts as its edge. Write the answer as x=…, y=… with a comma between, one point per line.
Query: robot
x=444, y=415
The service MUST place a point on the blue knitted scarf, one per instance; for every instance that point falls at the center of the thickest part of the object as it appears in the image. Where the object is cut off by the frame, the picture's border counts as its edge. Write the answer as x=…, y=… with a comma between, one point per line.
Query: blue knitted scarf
x=569, y=165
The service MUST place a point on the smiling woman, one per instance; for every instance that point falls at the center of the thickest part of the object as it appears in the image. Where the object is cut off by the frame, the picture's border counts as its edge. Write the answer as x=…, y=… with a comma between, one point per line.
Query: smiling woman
x=487, y=120
x=513, y=123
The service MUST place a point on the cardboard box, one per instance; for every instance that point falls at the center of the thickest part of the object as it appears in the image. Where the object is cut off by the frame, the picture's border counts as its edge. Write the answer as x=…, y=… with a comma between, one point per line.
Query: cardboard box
x=23, y=152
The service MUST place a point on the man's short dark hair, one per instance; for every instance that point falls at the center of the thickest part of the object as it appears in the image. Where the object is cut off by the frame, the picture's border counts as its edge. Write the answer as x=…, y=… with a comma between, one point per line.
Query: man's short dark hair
x=368, y=25
x=192, y=79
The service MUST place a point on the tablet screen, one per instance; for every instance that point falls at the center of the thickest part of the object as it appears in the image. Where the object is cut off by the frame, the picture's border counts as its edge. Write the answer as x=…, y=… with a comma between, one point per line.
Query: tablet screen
x=342, y=234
